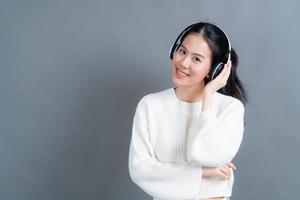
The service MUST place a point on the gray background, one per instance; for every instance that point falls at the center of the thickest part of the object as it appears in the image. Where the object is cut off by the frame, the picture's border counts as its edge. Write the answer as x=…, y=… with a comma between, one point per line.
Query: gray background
x=72, y=73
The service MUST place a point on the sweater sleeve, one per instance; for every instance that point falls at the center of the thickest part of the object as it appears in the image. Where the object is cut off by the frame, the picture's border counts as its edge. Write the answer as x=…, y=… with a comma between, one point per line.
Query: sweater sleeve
x=214, y=141
x=159, y=179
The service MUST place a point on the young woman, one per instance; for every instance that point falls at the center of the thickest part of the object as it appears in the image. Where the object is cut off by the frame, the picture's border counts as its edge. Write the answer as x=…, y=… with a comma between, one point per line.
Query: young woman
x=185, y=137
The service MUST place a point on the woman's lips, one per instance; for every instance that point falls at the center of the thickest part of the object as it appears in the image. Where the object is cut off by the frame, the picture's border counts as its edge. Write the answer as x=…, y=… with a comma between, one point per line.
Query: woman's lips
x=181, y=73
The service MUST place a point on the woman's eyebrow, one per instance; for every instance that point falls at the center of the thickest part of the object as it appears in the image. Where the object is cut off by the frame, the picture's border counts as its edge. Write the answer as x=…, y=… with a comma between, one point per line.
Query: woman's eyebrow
x=192, y=53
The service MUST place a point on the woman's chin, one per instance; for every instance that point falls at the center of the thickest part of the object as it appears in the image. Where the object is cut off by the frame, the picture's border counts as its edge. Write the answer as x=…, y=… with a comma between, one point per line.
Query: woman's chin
x=179, y=83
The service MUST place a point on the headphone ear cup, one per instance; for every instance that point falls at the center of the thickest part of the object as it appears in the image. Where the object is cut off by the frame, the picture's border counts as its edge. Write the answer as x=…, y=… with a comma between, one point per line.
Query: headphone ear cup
x=216, y=70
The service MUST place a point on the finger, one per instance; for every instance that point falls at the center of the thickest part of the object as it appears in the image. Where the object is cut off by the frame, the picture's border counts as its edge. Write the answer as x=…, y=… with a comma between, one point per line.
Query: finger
x=228, y=70
x=223, y=76
x=229, y=63
x=231, y=165
x=224, y=173
x=223, y=72
x=226, y=74
x=226, y=169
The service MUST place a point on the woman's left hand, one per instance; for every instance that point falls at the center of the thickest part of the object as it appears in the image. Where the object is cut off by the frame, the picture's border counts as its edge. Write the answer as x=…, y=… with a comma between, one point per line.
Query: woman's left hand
x=220, y=81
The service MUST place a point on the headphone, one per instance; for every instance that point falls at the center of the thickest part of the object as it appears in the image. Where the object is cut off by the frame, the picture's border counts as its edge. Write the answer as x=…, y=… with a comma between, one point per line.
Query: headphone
x=216, y=69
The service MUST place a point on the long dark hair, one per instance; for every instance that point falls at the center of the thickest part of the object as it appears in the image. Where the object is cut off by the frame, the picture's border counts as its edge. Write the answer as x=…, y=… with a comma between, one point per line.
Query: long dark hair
x=219, y=46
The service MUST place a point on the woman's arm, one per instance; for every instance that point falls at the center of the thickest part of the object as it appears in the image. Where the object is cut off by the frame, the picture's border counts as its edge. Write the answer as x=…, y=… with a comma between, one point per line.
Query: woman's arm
x=159, y=179
x=214, y=141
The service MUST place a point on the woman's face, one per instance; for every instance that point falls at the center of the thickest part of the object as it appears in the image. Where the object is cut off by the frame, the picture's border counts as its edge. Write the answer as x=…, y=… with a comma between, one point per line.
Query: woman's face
x=191, y=62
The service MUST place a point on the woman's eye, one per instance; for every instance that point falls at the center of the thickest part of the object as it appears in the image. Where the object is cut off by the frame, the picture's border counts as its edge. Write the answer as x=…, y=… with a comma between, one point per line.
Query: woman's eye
x=196, y=59
x=182, y=51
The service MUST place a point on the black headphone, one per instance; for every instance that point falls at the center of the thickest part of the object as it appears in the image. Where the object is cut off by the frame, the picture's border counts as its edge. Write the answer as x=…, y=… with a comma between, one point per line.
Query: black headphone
x=215, y=71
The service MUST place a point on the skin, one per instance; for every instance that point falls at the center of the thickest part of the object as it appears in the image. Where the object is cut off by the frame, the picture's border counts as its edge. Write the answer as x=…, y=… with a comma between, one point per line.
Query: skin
x=194, y=59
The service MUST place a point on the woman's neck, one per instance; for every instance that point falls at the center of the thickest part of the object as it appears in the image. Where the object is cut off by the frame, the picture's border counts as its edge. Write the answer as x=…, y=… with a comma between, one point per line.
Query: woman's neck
x=189, y=94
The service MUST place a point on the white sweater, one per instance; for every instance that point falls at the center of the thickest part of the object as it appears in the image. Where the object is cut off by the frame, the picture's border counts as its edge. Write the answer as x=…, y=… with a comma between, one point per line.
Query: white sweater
x=172, y=139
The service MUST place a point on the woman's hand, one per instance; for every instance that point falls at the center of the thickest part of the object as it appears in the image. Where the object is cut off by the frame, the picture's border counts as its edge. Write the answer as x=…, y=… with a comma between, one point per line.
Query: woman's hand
x=214, y=85
x=220, y=81
x=219, y=172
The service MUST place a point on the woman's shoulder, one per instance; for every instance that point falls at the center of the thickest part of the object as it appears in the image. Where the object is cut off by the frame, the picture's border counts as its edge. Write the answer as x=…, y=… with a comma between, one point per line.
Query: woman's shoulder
x=157, y=96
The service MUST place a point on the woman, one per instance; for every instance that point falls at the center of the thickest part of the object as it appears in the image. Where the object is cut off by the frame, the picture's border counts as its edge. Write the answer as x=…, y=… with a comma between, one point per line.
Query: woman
x=184, y=137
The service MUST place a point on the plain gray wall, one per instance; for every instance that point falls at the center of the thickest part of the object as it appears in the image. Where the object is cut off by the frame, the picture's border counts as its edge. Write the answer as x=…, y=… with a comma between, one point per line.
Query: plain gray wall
x=72, y=73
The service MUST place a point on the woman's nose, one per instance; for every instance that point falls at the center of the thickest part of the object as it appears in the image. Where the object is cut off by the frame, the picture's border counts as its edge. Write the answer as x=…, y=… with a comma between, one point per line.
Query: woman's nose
x=185, y=62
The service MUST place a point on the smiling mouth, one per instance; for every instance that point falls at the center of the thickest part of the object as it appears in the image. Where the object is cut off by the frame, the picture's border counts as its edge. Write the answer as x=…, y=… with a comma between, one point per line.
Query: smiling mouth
x=181, y=72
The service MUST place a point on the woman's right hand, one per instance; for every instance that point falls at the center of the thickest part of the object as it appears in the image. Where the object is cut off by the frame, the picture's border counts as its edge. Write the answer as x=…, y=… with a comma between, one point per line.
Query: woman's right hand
x=219, y=172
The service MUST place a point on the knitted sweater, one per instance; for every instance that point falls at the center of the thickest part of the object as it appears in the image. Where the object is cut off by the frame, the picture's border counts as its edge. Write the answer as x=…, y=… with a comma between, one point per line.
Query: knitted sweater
x=172, y=139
